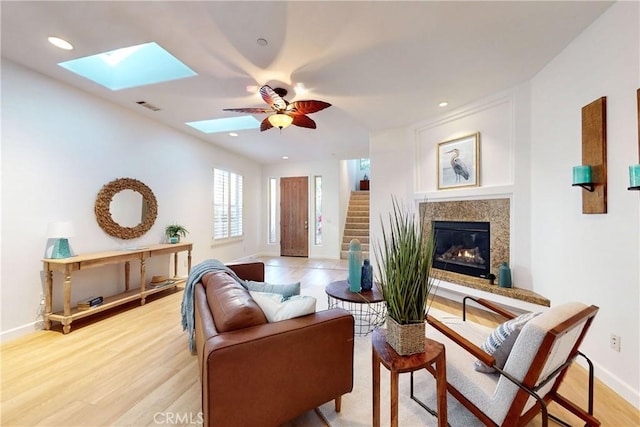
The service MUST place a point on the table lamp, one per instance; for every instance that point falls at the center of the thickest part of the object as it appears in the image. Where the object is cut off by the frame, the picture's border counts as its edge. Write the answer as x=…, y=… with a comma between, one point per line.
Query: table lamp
x=61, y=231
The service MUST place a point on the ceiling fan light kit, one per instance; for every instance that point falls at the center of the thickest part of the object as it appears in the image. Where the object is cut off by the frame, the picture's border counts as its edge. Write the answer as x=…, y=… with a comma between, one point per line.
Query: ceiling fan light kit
x=280, y=120
x=285, y=113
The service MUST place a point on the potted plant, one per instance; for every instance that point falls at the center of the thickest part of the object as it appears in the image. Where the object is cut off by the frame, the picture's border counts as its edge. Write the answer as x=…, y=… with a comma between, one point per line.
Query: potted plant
x=173, y=233
x=404, y=258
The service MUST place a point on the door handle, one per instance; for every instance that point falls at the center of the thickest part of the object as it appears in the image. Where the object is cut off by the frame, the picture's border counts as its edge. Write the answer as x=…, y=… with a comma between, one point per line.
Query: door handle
x=306, y=225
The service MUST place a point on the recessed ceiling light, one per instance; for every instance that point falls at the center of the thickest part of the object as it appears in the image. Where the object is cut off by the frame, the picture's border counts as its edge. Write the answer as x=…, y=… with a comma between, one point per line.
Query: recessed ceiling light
x=62, y=44
x=443, y=104
x=262, y=42
x=285, y=157
x=233, y=134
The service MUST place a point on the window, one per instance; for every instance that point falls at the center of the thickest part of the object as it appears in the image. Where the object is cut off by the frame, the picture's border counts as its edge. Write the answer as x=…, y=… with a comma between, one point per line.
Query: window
x=227, y=205
x=272, y=210
x=318, y=210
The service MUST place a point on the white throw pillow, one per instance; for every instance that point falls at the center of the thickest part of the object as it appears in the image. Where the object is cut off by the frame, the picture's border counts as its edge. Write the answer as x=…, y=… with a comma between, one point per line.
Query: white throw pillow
x=276, y=308
x=501, y=341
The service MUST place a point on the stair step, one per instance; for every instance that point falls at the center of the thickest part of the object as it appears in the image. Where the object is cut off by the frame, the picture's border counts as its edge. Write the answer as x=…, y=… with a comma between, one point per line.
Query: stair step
x=363, y=246
x=357, y=220
x=363, y=239
x=345, y=255
x=357, y=226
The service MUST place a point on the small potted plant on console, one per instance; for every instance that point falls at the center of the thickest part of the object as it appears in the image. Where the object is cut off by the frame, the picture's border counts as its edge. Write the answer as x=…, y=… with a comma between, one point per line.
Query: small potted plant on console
x=174, y=232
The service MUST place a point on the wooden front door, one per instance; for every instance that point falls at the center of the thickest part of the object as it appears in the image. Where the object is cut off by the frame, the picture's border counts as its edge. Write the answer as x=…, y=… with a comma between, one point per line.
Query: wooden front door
x=294, y=216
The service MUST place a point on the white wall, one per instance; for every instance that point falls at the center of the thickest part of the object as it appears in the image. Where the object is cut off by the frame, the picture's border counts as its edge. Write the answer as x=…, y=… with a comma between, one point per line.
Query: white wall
x=59, y=147
x=594, y=257
x=530, y=139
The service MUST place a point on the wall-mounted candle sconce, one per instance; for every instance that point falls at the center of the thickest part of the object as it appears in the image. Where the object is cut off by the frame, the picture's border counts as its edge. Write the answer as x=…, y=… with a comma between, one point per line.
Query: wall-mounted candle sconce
x=582, y=178
x=592, y=176
x=634, y=177
x=634, y=170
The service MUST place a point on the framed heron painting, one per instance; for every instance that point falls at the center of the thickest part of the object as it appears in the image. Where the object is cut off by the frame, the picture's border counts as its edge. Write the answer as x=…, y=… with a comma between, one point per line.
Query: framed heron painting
x=458, y=162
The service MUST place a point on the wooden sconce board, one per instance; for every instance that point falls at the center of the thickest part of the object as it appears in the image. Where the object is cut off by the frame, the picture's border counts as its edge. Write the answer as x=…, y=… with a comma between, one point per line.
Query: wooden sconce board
x=594, y=153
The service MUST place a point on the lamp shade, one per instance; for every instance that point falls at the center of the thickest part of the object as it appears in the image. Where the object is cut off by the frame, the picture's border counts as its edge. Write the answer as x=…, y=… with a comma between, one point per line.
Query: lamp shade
x=60, y=229
x=280, y=120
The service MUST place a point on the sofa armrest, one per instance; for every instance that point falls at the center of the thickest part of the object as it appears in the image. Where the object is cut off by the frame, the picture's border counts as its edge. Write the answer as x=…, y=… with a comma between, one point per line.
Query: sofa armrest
x=248, y=270
x=279, y=370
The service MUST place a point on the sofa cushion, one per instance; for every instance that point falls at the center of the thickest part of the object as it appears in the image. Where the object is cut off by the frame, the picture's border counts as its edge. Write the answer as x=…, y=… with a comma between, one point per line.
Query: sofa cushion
x=230, y=303
x=286, y=290
x=501, y=341
x=277, y=308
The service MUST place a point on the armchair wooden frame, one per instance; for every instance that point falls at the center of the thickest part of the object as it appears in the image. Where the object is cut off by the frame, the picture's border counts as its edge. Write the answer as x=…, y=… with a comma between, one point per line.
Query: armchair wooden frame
x=533, y=381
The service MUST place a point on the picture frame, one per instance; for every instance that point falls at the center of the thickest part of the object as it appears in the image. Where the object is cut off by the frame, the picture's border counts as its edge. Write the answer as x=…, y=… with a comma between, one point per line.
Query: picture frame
x=458, y=164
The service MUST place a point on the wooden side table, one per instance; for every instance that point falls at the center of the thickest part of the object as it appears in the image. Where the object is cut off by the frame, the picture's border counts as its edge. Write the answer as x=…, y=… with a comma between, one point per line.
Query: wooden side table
x=382, y=352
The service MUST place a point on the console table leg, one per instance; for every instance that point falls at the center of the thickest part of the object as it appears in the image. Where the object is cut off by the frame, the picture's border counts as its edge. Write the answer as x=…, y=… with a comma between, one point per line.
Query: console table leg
x=142, y=281
x=66, y=326
x=67, y=291
x=48, y=290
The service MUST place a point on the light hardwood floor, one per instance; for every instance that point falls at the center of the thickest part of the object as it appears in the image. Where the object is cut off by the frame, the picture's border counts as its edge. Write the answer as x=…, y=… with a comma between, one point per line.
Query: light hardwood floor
x=131, y=366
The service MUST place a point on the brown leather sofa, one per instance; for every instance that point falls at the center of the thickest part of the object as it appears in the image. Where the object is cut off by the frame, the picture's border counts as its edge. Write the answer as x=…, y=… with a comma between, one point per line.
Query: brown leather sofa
x=256, y=373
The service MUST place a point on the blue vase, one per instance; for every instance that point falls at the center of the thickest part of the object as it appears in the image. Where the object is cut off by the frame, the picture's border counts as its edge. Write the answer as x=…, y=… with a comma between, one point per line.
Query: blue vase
x=504, y=276
x=367, y=276
x=355, y=265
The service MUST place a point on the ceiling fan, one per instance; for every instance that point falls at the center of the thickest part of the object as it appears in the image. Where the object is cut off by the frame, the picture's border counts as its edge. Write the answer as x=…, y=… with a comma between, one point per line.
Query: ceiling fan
x=286, y=113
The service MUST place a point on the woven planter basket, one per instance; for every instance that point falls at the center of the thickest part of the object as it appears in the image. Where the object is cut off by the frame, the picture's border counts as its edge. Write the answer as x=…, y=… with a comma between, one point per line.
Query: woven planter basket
x=405, y=339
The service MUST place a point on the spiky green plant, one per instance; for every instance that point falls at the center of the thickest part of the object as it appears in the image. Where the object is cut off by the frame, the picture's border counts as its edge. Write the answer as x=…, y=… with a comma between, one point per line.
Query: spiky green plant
x=404, y=258
x=175, y=230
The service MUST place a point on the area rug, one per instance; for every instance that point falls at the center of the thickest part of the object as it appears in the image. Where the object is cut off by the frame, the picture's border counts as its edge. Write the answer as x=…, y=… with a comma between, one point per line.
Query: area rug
x=357, y=406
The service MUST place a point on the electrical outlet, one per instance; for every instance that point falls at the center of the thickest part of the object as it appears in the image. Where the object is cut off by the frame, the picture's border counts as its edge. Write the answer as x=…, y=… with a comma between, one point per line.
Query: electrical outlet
x=614, y=342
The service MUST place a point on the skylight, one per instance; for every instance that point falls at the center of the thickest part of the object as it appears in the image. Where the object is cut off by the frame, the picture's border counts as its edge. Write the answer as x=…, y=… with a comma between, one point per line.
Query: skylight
x=130, y=67
x=225, y=125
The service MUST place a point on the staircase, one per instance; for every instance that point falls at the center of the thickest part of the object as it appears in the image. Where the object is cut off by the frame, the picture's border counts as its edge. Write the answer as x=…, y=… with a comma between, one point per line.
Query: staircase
x=357, y=224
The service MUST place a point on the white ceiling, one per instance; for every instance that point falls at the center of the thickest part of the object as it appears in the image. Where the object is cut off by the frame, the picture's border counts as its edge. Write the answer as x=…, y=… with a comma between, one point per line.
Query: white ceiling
x=382, y=64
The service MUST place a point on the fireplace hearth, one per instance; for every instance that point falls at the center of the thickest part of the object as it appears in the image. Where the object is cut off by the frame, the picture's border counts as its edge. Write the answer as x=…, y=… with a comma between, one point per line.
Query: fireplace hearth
x=462, y=247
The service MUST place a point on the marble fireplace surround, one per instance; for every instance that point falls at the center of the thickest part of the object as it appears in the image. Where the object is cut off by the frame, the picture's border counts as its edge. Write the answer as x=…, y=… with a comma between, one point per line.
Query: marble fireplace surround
x=497, y=213
x=494, y=211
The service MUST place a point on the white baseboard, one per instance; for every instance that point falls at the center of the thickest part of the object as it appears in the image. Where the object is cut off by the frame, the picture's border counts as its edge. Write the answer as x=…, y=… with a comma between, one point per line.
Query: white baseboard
x=617, y=385
x=20, y=331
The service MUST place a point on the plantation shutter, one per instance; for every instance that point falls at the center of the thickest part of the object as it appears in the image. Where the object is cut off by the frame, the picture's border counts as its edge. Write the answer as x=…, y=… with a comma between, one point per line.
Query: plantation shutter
x=227, y=204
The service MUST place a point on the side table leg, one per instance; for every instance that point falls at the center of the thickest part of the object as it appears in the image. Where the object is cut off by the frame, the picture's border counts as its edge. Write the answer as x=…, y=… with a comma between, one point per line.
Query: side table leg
x=395, y=376
x=441, y=389
x=376, y=388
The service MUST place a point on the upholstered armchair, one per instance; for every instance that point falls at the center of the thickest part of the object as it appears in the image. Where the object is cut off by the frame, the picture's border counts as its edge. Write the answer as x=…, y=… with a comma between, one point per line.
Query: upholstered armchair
x=509, y=388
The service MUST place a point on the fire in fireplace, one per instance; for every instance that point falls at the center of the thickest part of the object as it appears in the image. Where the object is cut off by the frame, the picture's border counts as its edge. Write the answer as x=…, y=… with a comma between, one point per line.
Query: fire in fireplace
x=462, y=247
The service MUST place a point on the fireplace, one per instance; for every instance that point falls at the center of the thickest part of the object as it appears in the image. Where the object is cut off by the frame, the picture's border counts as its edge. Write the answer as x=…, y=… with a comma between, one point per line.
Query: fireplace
x=462, y=247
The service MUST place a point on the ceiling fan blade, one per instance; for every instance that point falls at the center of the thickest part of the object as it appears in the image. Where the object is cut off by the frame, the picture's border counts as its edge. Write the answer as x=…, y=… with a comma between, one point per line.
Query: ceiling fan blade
x=272, y=98
x=250, y=110
x=265, y=125
x=306, y=107
x=303, y=121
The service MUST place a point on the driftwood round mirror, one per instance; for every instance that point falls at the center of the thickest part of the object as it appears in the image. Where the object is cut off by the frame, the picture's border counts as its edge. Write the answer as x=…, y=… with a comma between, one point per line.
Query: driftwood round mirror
x=123, y=203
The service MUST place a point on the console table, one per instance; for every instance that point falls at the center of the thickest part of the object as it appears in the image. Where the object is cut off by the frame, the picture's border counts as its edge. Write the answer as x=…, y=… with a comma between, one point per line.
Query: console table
x=82, y=262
